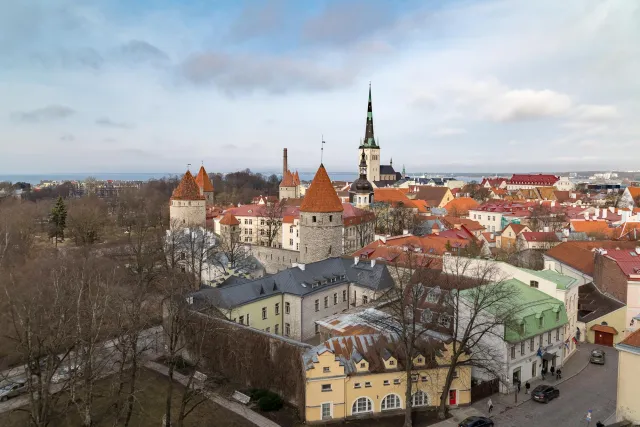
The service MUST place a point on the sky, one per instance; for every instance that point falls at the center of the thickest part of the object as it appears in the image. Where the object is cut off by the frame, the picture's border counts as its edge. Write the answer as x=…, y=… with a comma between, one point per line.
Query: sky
x=476, y=86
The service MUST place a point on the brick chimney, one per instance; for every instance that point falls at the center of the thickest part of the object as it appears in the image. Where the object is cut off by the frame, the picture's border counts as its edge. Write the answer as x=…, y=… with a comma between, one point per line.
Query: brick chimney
x=285, y=167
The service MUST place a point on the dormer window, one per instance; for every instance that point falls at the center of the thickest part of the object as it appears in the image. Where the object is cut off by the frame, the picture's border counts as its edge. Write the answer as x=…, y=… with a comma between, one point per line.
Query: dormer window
x=557, y=316
x=326, y=370
x=533, y=283
x=392, y=362
x=363, y=365
x=419, y=359
x=540, y=321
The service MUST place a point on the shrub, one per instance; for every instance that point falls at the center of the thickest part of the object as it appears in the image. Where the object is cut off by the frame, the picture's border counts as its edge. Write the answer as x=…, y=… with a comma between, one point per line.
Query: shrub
x=270, y=402
x=256, y=393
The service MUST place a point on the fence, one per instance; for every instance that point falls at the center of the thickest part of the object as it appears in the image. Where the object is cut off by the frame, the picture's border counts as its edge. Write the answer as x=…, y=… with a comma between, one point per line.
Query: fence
x=484, y=389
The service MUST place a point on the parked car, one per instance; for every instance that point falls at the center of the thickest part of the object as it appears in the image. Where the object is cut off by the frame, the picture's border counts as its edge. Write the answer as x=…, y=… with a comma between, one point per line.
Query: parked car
x=544, y=393
x=66, y=372
x=476, y=422
x=12, y=390
x=597, y=357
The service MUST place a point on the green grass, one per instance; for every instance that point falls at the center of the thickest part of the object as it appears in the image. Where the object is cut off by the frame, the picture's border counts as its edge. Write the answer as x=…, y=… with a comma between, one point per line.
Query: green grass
x=148, y=411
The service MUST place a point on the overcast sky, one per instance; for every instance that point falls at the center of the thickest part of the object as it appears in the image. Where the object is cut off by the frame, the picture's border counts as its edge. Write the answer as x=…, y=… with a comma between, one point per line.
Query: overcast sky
x=151, y=85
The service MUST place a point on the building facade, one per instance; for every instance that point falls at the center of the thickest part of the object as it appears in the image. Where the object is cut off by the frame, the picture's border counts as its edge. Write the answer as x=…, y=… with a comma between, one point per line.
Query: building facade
x=628, y=398
x=187, y=206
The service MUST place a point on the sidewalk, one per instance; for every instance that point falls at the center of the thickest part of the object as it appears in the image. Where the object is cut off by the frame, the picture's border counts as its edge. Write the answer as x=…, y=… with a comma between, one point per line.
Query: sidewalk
x=238, y=408
x=503, y=402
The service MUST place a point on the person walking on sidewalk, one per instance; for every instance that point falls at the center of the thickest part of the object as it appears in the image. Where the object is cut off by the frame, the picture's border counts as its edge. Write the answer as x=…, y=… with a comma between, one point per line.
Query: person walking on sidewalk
x=518, y=384
x=559, y=374
x=527, y=386
x=553, y=370
x=490, y=405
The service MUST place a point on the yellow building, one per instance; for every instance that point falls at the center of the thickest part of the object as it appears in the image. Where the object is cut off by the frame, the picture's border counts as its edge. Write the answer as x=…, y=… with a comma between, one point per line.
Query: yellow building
x=628, y=402
x=610, y=324
x=363, y=375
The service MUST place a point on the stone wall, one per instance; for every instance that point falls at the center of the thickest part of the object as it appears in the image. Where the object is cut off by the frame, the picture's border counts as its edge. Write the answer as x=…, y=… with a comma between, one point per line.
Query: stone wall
x=188, y=213
x=321, y=239
x=609, y=278
x=289, y=193
x=275, y=259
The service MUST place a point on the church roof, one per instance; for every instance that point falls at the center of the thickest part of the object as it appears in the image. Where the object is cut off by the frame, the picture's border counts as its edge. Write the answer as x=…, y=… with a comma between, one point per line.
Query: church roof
x=187, y=189
x=203, y=180
x=229, y=219
x=290, y=179
x=369, y=137
x=296, y=178
x=321, y=196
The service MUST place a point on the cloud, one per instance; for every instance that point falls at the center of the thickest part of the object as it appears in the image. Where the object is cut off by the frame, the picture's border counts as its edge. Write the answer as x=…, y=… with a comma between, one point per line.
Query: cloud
x=275, y=75
x=229, y=147
x=48, y=113
x=527, y=104
x=448, y=132
x=342, y=23
x=142, y=52
x=67, y=137
x=107, y=122
x=256, y=20
x=596, y=112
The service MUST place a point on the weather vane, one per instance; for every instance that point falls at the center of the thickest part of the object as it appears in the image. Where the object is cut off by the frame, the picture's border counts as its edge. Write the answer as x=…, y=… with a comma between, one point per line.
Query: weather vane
x=188, y=166
x=322, y=148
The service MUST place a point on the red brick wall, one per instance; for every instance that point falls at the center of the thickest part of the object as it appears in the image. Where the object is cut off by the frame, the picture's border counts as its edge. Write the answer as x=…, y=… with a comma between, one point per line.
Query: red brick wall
x=609, y=278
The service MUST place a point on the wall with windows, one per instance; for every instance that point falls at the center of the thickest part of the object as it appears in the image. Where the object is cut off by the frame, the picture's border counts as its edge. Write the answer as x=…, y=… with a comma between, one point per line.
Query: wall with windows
x=274, y=259
x=252, y=314
x=320, y=304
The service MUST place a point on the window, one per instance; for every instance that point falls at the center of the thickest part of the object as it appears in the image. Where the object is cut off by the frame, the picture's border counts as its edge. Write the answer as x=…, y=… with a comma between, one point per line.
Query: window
x=326, y=302
x=291, y=229
x=455, y=374
x=357, y=385
x=317, y=305
x=386, y=382
x=261, y=221
x=290, y=242
x=427, y=316
x=287, y=308
x=277, y=308
x=248, y=321
x=264, y=313
x=423, y=378
x=396, y=381
x=344, y=296
x=391, y=401
x=276, y=329
x=558, y=334
x=326, y=369
x=287, y=329
x=531, y=344
x=268, y=330
x=549, y=337
x=326, y=387
x=392, y=362
x=443, y=320
x=335, y=298
x=420, y=398
x=414, y=378
x=432, y=297
x=330, y=218
x=540, y=341
x=242, y=320
x=365, y=299
x=317, y=329
x=533, y=283
x=367, y=384
x=522, y=348
x=326, y=411
x=557, y=316
x=361, y=406
x=313, y=218
x=513, y=351
x=419, y=359
x=540, y=322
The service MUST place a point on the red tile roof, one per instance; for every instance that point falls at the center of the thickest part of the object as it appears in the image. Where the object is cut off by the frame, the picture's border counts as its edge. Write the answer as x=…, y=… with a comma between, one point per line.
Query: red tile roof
x=321, y=196
x=187, y=189
x=229, y=219
x=634, y=191
x=455, y=222
x=489, y=237
x=288, y=180
x=461, y=205
x=203, y=180
x=494, y=182
x=592, y=227
x=580, y=256
x=628, y=260
x=540, y=236
x=534, y=179
x=632, y=340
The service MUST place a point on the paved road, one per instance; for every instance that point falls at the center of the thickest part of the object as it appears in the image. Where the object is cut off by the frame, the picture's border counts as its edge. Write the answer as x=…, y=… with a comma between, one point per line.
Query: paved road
x=594, y=388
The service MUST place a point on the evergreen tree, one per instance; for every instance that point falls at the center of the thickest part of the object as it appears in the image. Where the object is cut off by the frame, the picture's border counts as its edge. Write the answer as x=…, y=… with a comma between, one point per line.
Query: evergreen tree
x=58, y=220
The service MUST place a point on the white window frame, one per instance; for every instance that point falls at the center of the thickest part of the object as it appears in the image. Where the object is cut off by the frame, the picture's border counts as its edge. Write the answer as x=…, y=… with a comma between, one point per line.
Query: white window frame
x=322, y=417
x=368, y=407
x=397, y=399
x=425, y=401
x=324, y=390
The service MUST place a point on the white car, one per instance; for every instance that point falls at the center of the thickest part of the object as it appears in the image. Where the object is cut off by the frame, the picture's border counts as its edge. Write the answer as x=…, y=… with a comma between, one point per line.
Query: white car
x=66, y=372
x=12, y=390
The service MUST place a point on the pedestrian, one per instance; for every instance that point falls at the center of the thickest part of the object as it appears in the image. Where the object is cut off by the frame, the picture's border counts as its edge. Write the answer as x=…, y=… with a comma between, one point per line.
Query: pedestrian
x=552, y=371
x=543, y=372
x=490, y=405
x=559, y=374
x=518, y=383
x=527, y=386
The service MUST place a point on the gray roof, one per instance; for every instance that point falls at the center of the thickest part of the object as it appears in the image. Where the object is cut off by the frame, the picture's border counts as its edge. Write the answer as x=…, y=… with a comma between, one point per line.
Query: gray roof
x=387, y=170
x=315, y=277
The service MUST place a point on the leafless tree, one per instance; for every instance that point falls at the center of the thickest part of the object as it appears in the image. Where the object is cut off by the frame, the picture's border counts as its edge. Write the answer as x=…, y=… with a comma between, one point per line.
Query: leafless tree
x=271, y=222
x=87, y=219
x=231, y=254
x=544, y=218
x=381, y=212
x=364, y=231
x=17, y=231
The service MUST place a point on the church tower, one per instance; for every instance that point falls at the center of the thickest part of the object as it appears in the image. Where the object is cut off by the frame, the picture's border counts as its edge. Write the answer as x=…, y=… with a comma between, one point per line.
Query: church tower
x=321, y=225
x=361, y=191
x=370, y=146
x=187, y=206
x=205, y=185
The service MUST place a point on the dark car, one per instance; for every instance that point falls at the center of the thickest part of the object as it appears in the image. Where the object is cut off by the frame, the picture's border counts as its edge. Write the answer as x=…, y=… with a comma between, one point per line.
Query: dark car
x=544, y=393
x=476, y=422
x=597, y=357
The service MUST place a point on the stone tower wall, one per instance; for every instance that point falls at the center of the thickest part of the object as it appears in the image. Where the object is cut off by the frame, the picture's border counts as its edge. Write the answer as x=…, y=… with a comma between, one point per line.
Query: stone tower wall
x=320, y=239
x=289, y=193
x=372, y=156
x=188, y=213
x=208, y=195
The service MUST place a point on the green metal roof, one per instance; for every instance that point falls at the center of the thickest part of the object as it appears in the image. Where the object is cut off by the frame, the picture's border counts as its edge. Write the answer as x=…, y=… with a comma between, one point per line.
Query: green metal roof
x=562, y=282
x=533, y=305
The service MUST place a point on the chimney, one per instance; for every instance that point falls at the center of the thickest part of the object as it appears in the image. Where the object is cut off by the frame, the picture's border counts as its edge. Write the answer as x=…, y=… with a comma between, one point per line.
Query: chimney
x=612, y=209
x=492, y=236
x=285, y=166
x=638, y=249
x=604, y=213
x=553, y=204
x=586, y=216
x=566, y=232
x=356, y=260
x=373, y=263
x=301, y=266
x=405, y=231
x=545, y=229
x=624, y=216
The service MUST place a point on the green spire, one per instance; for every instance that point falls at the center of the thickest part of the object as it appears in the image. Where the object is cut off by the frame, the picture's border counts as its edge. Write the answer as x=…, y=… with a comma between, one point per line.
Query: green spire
x=369, y=139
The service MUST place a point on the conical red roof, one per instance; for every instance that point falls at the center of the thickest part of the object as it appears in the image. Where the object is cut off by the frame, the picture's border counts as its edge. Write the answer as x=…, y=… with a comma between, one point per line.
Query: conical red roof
x=187, y=189
x=287, y=180
x=321, y=196
x=203, y=180
x=229, y=219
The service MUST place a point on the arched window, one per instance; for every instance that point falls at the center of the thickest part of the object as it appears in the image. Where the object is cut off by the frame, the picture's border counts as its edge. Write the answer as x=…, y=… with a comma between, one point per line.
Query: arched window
x=420, y=398
x=427, y=316
x=391, y=401
x=362, y=405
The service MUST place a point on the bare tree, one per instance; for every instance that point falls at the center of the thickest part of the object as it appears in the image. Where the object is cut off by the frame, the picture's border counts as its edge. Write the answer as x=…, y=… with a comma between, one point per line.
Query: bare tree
x=543, y=218
x=231, y=254
x=271, y=222
x=17, y=231
x=87, y=219
x=364, y=231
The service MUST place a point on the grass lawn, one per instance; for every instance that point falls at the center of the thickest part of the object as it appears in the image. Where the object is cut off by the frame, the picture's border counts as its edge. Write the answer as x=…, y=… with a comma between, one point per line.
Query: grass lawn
x=148, y=411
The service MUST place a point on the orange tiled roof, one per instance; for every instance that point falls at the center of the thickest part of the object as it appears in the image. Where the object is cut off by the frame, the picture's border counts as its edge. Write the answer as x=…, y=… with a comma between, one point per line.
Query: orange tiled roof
x=394, y=196
x=580, y=256
x=187, y=189
x=296, y=178
x=321, y=196
x=470, y=224
x=634, y=191
x=633, y=339
x=592, y=227
x=288, y=180
x=461, y=205
x=203, y=180
x=229, y=219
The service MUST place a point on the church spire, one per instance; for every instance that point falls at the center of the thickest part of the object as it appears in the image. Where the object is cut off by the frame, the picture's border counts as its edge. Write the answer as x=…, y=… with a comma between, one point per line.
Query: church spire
x=369, y=137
